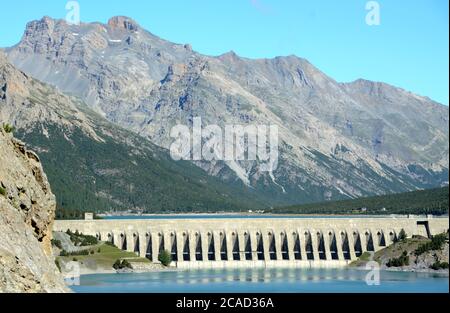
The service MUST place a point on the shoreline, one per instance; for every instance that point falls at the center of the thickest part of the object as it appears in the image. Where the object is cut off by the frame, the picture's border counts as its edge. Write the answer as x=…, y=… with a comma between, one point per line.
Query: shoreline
x=99, y=271
x=87, y=271
x=404, y=270
x=84, y=272
x=419, y=270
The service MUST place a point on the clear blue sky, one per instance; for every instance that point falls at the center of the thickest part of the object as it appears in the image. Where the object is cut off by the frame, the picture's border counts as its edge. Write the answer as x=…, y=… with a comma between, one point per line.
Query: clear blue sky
x=409, y=49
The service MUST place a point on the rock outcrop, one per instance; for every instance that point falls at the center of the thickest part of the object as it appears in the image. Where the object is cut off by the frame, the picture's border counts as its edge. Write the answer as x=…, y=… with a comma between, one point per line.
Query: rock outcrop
x=27, y=209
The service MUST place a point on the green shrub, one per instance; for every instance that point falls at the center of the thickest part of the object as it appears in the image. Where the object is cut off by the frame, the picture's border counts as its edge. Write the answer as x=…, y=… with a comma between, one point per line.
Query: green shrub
x=400, y=261
x=57, y=243
x=78, y=239
x=75, y=259
x=165, y=258
x=8, y=128
x=402, y=235
x=2, y=191
x=126, y=264
x=438, y=240
x=121, y=264
x=444, y=265
x=58, y=265
x=435, y=244
x=87, y=240
x=74, y=253
x=439, y=265
x=117, y=264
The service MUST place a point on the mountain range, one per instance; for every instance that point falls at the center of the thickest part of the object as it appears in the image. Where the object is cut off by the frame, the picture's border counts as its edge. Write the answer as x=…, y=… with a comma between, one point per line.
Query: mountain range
x=104, y=91
x=93, y=164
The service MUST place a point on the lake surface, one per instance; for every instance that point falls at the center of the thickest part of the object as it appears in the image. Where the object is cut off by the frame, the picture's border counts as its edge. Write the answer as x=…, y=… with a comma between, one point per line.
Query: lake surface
x=262, y=281
x=228, y=216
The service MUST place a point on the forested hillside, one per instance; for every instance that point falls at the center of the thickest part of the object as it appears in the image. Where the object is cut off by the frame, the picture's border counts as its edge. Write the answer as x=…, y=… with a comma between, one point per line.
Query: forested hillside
x=432, y=201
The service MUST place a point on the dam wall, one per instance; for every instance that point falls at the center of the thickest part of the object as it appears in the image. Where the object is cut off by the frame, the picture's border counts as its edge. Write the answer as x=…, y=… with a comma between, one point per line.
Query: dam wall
x=255, y=242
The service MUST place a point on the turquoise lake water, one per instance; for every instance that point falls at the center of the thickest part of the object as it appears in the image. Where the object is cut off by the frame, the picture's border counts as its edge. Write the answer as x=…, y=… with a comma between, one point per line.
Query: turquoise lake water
x=232, y=216
x=262, y=281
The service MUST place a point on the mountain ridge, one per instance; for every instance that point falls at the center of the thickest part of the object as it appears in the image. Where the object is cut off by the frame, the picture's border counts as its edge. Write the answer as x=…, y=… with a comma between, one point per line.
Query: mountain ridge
x=93, y=164
x=336, y=139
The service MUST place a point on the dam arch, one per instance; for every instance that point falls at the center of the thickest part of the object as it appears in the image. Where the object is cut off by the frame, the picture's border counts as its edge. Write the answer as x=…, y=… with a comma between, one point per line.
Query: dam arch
x=148, y=249
x=392, y=236
x=310, y=255
x=271, y=245
x=110, y=238
x=345, y=246
x=380, y=238
x=122, y=241
x=370, y=246
x=198, y=247
x=211, y=248
x=259, y=246
x=173, y=246
x=358, y=245
x=284, y=246
x=321, y=246
x=186, y=250
x=296, y=247
x=161, y=242
x=235, y=250
x=333, y=246
x=247, y=245
x=223, y=246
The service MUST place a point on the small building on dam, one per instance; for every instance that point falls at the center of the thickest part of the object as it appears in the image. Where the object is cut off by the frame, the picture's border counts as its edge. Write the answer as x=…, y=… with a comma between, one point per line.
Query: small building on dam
x=255, y=242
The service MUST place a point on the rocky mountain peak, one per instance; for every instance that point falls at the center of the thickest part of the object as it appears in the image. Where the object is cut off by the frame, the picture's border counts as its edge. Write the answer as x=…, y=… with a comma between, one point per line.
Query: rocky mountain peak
x=123, y=22
x=229, y=56
x=44, y=25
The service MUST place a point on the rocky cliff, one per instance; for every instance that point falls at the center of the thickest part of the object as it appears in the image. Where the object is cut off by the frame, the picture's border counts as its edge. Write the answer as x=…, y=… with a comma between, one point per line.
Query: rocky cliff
x=27, y=209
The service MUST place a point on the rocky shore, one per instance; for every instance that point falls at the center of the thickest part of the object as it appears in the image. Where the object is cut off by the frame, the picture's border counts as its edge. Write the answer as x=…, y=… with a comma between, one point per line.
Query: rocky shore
x=416, y=254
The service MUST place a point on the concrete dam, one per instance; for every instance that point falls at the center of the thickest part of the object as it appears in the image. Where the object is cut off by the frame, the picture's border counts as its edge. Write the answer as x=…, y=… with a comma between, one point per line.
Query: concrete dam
x=255, y=242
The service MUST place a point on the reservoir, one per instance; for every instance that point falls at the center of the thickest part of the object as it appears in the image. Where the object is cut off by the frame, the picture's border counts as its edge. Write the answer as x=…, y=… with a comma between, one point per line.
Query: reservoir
x=263, y=281
x=232, y=216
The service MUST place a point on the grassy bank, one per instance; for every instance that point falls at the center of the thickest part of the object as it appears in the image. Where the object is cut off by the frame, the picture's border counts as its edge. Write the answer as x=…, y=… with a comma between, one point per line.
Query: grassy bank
x=102, y=255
